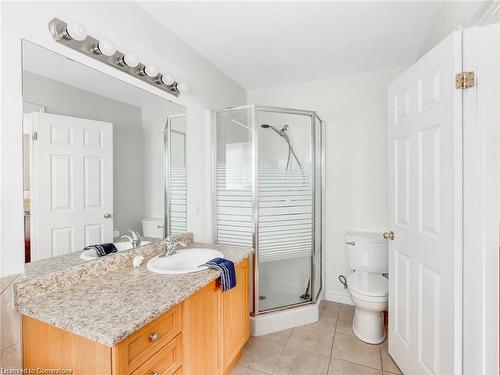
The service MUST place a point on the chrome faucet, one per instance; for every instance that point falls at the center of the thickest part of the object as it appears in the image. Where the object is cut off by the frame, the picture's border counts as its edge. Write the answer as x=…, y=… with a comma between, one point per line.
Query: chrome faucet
x=134, y=238
x=171, y=243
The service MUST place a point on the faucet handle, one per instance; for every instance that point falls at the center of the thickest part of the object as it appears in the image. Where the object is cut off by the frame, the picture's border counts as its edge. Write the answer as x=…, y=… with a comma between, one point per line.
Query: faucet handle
x=134, y=234
x=172, y=246
x=170, y=239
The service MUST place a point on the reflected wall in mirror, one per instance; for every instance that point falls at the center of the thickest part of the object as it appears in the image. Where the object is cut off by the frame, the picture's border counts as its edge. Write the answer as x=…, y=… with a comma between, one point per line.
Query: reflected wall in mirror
x=176, y=199
x=96, y=159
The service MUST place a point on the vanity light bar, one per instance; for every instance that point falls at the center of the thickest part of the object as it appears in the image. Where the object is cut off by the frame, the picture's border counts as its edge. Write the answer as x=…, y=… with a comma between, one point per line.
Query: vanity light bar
x=74, y=36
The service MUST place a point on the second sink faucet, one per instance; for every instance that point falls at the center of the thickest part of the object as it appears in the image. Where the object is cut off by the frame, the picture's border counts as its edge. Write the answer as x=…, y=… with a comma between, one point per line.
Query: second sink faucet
x=171, y=243
x=134, y=238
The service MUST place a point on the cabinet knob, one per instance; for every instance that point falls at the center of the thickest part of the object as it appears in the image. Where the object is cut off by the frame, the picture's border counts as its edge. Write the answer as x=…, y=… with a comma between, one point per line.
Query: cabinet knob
x=107, y=216
x=154, y=337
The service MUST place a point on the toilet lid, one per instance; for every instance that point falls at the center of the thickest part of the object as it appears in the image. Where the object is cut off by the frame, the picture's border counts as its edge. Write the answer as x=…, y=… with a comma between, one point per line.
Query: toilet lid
x=369, y=284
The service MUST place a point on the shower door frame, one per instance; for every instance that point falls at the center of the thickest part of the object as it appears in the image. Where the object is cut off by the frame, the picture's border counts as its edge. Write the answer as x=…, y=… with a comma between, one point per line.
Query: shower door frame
x=318, y=154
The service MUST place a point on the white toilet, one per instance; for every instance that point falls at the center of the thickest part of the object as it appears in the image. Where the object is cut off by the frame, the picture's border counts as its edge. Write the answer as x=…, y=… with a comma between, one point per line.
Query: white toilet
x=152, y=227
x=368, y=285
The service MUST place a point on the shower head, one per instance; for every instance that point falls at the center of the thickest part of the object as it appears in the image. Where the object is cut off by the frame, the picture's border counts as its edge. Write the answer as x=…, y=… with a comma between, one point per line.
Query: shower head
x=265, y=126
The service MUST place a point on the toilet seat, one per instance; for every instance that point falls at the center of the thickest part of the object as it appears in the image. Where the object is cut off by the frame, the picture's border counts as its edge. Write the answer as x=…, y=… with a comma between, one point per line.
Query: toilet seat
x=365, y=284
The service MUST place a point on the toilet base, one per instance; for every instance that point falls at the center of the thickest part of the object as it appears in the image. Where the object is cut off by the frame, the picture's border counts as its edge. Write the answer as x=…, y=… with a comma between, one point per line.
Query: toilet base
x=368, y=326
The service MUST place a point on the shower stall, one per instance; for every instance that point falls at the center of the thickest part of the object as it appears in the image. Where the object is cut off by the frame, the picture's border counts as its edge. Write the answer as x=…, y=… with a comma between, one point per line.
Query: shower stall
x=268, y=194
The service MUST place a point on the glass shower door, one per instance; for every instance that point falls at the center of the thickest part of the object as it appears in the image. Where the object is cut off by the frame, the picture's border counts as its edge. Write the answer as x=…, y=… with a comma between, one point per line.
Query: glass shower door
x=286, y=210
x=234, y=197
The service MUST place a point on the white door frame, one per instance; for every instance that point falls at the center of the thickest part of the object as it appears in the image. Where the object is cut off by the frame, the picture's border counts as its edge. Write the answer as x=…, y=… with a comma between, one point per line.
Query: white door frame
x=481, y=54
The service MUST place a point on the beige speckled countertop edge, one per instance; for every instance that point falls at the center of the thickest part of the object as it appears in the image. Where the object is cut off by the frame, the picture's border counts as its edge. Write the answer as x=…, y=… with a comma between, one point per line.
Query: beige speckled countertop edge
x=68, y=308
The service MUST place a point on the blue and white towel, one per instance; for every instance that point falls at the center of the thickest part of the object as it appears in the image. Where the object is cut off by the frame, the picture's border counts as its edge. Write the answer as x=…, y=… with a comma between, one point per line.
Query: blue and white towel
x=103, y=249
x=227, y=272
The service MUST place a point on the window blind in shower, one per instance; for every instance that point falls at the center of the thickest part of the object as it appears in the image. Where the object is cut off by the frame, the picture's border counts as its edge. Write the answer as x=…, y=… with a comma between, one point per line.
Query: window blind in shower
x=285, y=210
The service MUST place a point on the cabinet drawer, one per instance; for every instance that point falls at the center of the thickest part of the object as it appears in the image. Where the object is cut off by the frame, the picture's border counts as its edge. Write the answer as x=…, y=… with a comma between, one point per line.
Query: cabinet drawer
x=166, y=362
x=148, y=340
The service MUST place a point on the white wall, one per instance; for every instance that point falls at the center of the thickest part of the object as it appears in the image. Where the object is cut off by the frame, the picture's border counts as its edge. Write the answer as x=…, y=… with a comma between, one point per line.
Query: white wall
x=448, y=19
x=128, y=159
x=132, y=29
x=154, y=119
x=354, y=108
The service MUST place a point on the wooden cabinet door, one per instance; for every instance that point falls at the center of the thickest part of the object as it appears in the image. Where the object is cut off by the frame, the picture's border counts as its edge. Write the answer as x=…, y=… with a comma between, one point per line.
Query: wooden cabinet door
x=201, y=332
x=46, y=346
x=235, y=314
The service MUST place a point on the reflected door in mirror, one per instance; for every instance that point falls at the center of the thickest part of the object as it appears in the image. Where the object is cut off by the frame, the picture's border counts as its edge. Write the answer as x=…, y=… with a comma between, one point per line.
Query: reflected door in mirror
x=72, y=190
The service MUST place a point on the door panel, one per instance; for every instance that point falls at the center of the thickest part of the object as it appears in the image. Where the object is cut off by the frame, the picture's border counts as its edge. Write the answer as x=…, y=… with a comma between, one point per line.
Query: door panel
x=61, y=185
x=425, y=209
x=93, y=184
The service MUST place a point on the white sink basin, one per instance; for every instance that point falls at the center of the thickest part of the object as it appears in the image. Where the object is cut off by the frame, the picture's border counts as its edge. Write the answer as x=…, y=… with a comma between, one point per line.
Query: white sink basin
x=184, y=261
x=120, y=246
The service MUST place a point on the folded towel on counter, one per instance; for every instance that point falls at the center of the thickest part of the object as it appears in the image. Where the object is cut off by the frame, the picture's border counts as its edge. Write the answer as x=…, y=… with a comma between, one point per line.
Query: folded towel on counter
x=103, y=249
x=227, y=272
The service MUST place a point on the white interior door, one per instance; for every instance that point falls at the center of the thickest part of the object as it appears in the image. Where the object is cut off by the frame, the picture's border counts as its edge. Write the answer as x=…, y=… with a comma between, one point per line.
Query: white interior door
x=72, y=187
x=425, y=212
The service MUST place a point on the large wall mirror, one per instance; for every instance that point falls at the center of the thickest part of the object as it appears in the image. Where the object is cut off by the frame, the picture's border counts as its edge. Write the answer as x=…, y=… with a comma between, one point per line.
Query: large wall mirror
x=104, y=161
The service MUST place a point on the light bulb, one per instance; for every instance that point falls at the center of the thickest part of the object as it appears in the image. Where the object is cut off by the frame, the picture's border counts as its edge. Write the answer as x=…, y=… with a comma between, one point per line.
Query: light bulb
x=167, y=79
x=130, y=59
x=76, y=31
x=182, y=87
x=106, y=47
x=151, y=70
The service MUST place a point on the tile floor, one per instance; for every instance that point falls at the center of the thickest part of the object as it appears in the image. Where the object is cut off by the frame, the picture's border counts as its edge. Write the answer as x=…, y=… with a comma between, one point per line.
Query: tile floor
x=326, y=347
x=10, y=326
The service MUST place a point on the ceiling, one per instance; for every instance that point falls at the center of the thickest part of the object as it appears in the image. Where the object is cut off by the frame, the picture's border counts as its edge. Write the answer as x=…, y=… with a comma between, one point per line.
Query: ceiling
x=261, y=44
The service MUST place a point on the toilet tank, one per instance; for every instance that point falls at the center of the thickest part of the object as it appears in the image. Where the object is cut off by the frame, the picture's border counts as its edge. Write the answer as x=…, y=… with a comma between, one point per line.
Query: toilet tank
x=367, y=251
x=152, y=227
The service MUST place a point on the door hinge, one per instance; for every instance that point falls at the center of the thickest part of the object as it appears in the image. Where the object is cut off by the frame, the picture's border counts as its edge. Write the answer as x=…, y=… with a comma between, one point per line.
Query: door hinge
x=465, y=80
x=35, y=136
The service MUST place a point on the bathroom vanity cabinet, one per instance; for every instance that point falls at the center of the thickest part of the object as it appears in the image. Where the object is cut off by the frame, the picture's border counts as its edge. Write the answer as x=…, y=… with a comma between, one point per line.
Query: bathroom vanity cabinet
x=203, y=335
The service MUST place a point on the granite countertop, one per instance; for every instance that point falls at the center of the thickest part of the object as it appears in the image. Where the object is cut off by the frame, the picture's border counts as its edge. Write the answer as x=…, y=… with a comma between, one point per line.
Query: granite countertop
x=109, y=306
x=43, y=267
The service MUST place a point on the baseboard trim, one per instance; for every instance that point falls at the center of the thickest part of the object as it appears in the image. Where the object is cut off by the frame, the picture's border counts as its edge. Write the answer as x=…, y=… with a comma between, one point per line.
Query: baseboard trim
x=338, y=297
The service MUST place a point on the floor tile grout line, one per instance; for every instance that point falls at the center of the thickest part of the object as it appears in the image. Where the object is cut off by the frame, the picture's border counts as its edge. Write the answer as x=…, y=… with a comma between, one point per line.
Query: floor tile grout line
x=362, y=365
x=333, y=342
x=10, y=346
x=380, y=355
x=355, y=363
x=9, y=284
x=282, y=350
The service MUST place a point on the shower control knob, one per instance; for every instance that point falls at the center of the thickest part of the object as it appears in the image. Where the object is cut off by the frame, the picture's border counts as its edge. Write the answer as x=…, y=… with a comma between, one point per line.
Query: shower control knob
x=389, y=235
